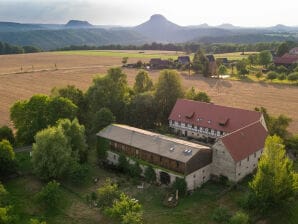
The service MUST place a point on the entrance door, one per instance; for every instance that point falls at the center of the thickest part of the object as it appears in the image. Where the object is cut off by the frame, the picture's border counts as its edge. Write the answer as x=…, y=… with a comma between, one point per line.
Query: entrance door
x=164, y=178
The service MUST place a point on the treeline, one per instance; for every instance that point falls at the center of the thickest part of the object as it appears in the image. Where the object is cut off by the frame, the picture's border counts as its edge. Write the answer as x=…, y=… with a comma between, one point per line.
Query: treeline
x=6, y=48
x=187, y=47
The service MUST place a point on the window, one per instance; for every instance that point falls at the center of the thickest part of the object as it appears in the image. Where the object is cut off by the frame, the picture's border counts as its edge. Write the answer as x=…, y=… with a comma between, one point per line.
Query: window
x=239, y=174
x=160, y=159
x=193, y=126
x=194, y=176
x=177, y=164
x=247, y=158
x=203, y=171
x=255, y=155
x=179, y=122
x=240, y=163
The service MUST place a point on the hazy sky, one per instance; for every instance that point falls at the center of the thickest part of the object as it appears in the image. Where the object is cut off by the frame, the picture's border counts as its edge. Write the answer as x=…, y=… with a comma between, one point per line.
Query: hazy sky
x=134, y=12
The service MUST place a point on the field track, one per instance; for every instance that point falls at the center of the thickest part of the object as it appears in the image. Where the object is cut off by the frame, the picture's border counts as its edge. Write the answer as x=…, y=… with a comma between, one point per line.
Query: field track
x=21, y=76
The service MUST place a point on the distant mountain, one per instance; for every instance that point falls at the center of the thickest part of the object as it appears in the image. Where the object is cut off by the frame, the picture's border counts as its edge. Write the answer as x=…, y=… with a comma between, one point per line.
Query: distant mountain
x=78, y=24
x=158, y=28
x=228, y=26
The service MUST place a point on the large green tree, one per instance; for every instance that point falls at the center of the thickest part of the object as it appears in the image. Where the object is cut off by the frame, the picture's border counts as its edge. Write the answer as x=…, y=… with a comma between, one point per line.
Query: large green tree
x=75, y=134
x=109, y=91
x=168, y=90
x=102, y=118
x=200, y=63
x=143, y=82
x=50, y=195
x=275, y=181
x=76, y=96
x=51, y=154
x=7, y=159
x=265, y=58
x=40, y=111
x=143, y=104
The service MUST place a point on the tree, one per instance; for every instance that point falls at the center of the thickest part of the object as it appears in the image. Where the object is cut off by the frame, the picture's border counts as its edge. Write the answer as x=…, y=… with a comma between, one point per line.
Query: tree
x=239, y=218
x=222, y=70
x=265, y=58
x=102, y=118
x=51, y=153
x=110, y=91
x=180, y=185
x=124, y=60
x=272, y=75
x=259, y=75
x=149, y=174
x=76, y=139
x=282, y=76
x=241, y=67
x=221, y=215
x=6, y=133
x=50, y=195
x=281, y=69
x=282, y=49
x=203, y=97
x=200, y=63
x=253, y=59
x=143, y=82
x=292, y=143
x=107, y=194
x=36, y=221
x=7, y=159
x=123, y=206
x=76, y=96
x=37, y=113
x=276, y=125
x=143, y=103
x=132, y=218
x=293, y=77
x=275, y=181
x=168, y=90
x=4, y=215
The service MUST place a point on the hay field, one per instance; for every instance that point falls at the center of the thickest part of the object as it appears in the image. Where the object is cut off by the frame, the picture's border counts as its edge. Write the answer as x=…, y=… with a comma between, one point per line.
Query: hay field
x=79, y=70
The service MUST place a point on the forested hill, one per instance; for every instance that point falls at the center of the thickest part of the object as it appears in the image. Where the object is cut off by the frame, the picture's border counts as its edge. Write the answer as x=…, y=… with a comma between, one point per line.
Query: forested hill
x=6, y=48
x=156, y=29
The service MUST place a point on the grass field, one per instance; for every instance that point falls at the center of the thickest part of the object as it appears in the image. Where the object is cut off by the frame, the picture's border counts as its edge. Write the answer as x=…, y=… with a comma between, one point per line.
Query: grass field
x=234, y=56
x=130, y=54
x=79, y=70
x=196, y=208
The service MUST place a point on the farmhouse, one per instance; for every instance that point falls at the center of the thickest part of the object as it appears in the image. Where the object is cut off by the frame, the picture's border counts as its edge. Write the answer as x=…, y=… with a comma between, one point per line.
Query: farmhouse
x=286, y=60
x=235, y=141
x=157, y=63
x=170, y=157
x=183, y=60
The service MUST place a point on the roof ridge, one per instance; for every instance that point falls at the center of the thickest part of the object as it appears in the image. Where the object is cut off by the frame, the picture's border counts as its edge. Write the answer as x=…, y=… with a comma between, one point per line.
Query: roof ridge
x=251, y=124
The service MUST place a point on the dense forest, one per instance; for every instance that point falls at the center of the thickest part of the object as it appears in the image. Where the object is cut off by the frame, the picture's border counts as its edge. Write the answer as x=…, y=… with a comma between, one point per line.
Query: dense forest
x=6, y=48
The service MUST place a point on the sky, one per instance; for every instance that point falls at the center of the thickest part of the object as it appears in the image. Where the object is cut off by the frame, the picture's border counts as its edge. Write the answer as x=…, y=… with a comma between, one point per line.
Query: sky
x=249, y=13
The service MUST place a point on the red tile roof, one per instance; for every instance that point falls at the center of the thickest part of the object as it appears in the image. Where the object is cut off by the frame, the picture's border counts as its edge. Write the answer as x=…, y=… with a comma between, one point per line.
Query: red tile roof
x=286, y=59
x=245, y=141
x=213, y=116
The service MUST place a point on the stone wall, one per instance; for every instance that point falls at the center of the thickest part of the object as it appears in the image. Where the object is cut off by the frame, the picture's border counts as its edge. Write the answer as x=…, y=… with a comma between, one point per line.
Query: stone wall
x=198, y=177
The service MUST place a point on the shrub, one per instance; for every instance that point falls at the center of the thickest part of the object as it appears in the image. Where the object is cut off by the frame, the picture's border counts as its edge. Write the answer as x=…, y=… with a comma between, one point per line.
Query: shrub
x=272, y=75
x=132, y=218
x=282, y=76
x=239, y=218
x=180, y=185
x=7, y=159
x=107, y=194
x=259, y=74
x=123, y=164
x=6, y=133
x=50, y=195
x=221, y=215
x=293, y=76
x=78, y=173
x=135, y=170
x=281, y=69
x=149, y=174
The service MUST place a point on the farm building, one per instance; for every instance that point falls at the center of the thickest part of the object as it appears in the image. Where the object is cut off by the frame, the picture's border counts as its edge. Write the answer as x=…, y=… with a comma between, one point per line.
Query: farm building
x=286, y=60
x=212, y=66
x=170, y=157
x=183, y=60
x=157, y=63
x=234, y=141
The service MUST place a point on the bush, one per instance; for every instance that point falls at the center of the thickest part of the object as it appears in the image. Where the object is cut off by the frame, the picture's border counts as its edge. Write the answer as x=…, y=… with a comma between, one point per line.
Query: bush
x=282, y=76
x=221, y=215
x=78, y=173
x=50, y=195
x=180, y=185
x=281, y=69
x=6, y=133
x=123, y=164
x=149, y=174
x=272, y=75
x=7, y=159
x=239, y=218
x=107, y=194
x=293, y=76
x=259, y=74
x=135, y=170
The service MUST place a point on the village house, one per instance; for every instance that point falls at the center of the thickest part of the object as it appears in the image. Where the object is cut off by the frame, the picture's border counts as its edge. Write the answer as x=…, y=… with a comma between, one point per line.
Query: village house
x=157, y=63
x=235, y=140
x=287, y=59
x=212, y=66
x=183, y=60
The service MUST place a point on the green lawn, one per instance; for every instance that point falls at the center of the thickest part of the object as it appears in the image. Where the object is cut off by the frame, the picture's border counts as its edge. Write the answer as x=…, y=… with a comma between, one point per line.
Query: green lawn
x=121, y=54
x=234, y=56
x=195, y=208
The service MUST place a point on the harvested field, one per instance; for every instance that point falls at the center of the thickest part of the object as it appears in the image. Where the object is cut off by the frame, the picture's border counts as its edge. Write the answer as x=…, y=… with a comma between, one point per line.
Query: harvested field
x=79, y=70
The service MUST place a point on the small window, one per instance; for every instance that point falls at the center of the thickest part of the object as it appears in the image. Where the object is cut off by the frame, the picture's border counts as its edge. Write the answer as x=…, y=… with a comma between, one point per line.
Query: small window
x=114, y=156
x=240, y=163
x=203, y=171
x=247, y=158
x=255, y=155
x=193, y=126
x=177, y=164
x=160, y=159
x=239, y=174
x=194, y=176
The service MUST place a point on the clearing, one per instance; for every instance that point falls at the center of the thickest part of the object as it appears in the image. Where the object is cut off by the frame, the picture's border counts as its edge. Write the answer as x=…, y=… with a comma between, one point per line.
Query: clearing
x=39, y=75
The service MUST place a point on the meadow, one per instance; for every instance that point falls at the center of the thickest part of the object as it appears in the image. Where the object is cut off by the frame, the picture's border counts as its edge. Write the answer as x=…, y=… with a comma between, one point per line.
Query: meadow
x=42, y=71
